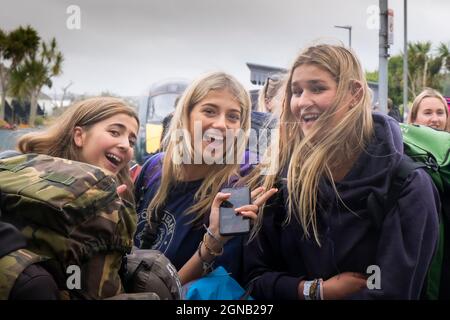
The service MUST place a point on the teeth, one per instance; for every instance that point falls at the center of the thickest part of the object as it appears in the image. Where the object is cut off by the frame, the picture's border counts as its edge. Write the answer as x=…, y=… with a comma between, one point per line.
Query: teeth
x=114, y=157
x=310, y=117
x=210, y=137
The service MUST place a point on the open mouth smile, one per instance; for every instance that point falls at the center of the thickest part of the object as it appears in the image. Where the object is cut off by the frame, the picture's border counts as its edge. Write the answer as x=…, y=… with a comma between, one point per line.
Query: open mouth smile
x=115, y=160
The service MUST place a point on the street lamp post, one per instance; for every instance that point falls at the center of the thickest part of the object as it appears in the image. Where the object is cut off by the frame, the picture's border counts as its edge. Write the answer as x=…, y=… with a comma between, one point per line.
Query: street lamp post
x=349, y=28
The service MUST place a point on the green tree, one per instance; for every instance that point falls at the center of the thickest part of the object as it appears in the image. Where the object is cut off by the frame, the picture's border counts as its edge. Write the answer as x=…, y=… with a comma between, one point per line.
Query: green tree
x=425, y=69
x=395, y=79
x=28, y=79
x=372, y=76
x=14, y=48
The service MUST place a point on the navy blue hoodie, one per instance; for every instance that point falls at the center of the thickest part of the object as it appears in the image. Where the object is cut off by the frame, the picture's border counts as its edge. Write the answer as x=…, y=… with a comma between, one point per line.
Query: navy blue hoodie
x=281, y=256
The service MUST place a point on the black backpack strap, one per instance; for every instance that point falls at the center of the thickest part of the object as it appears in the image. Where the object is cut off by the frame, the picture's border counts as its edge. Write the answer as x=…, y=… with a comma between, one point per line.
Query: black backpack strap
x=379, y=205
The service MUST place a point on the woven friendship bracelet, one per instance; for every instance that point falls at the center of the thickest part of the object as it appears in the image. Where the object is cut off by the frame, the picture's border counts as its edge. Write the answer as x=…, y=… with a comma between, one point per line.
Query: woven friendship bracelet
x=206, y=266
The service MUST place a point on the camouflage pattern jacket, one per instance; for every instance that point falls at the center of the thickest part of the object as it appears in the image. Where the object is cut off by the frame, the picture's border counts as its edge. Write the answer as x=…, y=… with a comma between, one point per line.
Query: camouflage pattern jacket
x=74, y=222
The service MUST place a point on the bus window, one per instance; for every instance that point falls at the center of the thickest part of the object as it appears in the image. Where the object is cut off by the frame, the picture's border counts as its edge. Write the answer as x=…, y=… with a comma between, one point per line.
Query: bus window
x=159, y=103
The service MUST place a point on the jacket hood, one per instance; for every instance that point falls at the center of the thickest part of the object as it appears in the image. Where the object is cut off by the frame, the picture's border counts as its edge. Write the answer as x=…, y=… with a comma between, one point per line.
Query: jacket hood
x=374, y=169
x=381, y=156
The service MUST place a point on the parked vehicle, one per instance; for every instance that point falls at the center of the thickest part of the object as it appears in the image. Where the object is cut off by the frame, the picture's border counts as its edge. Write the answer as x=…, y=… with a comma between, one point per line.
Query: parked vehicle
x=160, y=102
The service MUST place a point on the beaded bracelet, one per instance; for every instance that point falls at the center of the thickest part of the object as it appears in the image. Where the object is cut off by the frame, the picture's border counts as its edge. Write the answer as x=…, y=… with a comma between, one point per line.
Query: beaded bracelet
x=313, y=290
x=211, y=251
x=317, y=290
x=206, y=266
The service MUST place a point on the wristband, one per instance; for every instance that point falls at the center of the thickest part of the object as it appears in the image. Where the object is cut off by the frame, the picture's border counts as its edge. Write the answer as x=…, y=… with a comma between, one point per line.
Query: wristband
x=306, y=289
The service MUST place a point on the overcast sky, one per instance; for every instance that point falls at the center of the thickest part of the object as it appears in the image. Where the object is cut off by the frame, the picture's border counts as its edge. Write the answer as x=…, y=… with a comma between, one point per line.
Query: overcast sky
x=123, y=46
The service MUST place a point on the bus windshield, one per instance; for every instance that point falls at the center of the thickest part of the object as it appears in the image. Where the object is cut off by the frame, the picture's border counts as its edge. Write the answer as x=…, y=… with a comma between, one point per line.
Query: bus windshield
x=160, y=106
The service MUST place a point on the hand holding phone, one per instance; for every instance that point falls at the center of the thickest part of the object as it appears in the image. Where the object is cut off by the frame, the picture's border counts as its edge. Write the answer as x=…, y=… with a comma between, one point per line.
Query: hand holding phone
x=231, y=223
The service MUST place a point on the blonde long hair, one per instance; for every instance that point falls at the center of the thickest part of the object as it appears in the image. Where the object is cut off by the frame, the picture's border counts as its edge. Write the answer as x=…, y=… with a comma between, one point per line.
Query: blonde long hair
x=329, y=147
x=220, y=173
x=58, y=140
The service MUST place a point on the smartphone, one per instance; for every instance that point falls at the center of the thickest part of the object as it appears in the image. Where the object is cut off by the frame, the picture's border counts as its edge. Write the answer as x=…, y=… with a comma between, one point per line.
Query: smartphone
x=231, y=223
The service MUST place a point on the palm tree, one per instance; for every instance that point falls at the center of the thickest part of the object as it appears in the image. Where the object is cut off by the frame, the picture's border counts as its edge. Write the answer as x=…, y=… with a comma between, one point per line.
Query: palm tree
x=444, y=52
x=36, y=72
x=425, y=69
x=14, y=48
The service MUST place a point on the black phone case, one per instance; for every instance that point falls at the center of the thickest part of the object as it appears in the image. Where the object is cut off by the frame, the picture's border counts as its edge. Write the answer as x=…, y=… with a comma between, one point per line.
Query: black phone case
x=231, y=224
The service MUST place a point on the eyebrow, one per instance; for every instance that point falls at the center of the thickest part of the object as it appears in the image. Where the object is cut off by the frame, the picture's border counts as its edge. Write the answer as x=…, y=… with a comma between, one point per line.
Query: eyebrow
x=217, y=107
x=313, y=81
x=123, y=128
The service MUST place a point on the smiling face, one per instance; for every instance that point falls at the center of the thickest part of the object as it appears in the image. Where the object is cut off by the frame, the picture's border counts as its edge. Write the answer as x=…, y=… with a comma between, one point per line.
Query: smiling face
x=216, y=113
x=313, y=92
x=109, y=143
x=431, y=113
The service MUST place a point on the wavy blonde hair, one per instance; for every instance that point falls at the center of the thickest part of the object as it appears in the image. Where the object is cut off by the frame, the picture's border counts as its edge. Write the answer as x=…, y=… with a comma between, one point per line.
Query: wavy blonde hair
x=58, y=140
x=172, y=172
x=427, y=93
x=330, y=147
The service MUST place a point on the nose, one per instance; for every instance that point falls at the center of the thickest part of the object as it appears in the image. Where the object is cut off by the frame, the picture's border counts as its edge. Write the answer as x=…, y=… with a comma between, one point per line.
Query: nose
x=300, y=102
x=220, y=122
x=124, y=144
x=434, y=119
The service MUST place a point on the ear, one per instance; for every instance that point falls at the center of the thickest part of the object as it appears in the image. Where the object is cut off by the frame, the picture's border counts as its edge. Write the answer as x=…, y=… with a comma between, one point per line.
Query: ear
x=78, y=136
x=356, y=92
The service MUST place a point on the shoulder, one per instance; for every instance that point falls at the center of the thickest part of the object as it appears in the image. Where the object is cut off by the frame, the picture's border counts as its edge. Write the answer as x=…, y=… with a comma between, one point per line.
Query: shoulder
x=419, y=195
x=150, y=173
x=153, y=160
x=420, y=181
x=151, y=166
x=35, y=283
x=9, y=153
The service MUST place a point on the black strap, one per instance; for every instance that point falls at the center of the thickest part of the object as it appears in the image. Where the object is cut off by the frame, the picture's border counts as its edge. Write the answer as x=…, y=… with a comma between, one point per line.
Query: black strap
x=380, y=204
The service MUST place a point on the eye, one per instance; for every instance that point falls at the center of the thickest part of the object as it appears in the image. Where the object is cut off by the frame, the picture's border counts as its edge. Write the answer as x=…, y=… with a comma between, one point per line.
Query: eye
x=208, y=111
x=234, y=117
x=317, y=89
x=297, y=92
x=114, y=133
x=132, y=142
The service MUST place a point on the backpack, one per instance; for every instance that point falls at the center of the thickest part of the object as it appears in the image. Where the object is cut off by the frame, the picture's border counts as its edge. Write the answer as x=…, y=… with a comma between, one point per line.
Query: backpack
x=151, y=271
x=72, y=218
x=429, y=149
